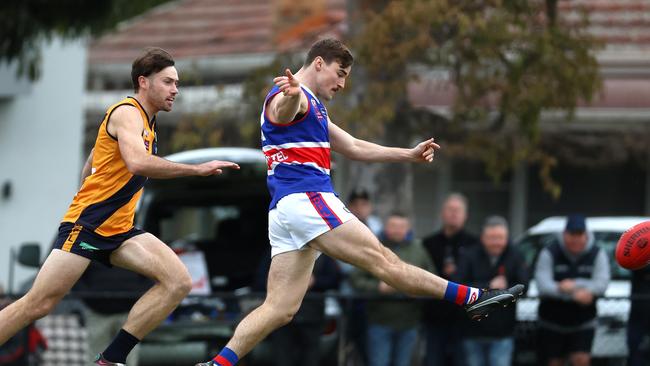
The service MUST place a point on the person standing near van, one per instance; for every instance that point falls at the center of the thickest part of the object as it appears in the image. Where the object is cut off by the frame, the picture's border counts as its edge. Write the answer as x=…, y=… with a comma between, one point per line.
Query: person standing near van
x=446, y=247
x=306, y=217
x=99, y=223
x=571, y=273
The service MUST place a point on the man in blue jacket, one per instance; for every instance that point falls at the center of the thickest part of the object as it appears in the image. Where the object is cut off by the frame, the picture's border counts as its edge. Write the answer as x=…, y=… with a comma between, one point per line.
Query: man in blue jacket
x=571, y=274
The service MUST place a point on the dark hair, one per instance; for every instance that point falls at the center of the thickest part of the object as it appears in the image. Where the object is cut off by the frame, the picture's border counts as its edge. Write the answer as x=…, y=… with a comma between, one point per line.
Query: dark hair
x=358, y=194
x=330, y=49
x=151, y=61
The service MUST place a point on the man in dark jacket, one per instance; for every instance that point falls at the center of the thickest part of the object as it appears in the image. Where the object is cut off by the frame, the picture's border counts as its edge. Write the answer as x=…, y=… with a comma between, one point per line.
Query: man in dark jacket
x=638, y=326
x=445, y=247
x=495, y=264
x=570, y=274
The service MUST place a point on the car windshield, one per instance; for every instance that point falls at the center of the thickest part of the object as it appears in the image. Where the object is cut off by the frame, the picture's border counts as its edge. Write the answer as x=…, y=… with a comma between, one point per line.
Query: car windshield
x=231, y=233
x=530, y=245
x=197, y=223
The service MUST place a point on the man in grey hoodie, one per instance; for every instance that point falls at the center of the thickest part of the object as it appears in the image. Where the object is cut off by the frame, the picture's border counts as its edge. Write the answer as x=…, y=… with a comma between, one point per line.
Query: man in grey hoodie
x=570, y=274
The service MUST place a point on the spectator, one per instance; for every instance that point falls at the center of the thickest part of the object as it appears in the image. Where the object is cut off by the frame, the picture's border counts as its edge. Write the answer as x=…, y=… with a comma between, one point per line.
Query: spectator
x=570, y=274
x=393, y=324
x=445, y=247
x=104, y=314
x=303, y=334
x=638, y=325
x=360, y=205
x=494, y=264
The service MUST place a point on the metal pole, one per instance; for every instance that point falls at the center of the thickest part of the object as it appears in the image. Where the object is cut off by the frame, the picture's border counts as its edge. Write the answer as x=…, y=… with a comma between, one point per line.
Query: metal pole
x=12, y=265
x=343, y=329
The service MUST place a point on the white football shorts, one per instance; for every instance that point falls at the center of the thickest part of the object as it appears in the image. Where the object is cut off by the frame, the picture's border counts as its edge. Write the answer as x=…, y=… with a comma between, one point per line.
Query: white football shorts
x=298, y=218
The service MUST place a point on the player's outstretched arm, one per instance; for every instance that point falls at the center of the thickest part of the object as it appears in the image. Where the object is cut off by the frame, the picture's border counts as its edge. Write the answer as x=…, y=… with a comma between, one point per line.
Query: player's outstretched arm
x=126, y=125
x=357, y=149
x=285, y=106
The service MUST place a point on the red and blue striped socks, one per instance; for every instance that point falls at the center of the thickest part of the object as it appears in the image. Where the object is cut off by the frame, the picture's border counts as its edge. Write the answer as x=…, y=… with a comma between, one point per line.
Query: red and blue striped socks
x=226, y=358
x=461, y=294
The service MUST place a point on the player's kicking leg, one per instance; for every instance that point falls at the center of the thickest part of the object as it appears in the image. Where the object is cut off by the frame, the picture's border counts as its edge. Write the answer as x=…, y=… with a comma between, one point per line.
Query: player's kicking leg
x=354, y=243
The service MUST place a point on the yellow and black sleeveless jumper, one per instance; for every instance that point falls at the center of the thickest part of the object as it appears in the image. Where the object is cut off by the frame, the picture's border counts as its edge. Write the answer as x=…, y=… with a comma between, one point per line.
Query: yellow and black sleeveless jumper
x=105, y=203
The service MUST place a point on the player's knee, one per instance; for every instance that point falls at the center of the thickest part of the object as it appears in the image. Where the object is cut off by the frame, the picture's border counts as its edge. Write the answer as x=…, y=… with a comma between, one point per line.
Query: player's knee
x=282, y=314
x=384, y=268
x=285, y=317
x=180, y=286
x=184, y=285
x=380, y=261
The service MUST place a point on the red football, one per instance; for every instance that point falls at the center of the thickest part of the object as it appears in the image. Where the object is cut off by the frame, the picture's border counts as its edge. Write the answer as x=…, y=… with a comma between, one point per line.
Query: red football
x=632, y=249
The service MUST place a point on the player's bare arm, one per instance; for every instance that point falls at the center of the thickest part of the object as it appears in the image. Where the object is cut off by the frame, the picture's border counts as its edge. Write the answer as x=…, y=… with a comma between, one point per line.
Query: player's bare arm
x=126, y=125
x=87, y=168
x=357, y=149
x=285, y=106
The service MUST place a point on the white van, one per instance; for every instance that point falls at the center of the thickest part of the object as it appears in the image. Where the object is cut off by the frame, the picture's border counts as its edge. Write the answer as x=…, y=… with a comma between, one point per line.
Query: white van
x=613, y=308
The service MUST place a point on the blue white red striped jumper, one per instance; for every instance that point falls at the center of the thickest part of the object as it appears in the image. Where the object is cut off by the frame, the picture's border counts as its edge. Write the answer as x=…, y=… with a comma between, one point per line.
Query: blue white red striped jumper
x=297, y=153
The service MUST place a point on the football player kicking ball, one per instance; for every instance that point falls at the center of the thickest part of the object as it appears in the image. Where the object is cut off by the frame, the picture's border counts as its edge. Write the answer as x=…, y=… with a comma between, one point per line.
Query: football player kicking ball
x=307, y=218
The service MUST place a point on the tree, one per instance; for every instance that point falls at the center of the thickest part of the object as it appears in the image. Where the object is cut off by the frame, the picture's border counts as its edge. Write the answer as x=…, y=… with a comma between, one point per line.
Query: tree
x=507, y=61
x=26, y=23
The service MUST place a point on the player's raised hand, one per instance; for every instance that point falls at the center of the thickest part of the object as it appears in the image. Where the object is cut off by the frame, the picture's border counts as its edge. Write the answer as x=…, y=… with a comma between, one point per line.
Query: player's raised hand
x=214, y=167
x=288, y=84
x=425, y=150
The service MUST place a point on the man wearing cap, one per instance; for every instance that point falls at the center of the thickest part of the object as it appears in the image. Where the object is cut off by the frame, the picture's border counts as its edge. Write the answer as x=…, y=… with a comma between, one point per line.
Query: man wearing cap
x=570, y=274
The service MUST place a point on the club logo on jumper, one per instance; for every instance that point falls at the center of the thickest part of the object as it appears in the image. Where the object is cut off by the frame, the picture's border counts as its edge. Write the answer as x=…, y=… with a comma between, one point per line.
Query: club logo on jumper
x=317, y=111
x=86, y=246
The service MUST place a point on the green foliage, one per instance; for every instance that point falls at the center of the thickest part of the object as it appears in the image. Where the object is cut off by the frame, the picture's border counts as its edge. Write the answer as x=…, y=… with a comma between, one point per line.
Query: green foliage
x=24, y=24
x=507, y=60
x=225, y=127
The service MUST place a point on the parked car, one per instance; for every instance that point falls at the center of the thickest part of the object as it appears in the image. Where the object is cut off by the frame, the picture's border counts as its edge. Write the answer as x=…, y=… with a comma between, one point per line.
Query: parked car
x=613, y=308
